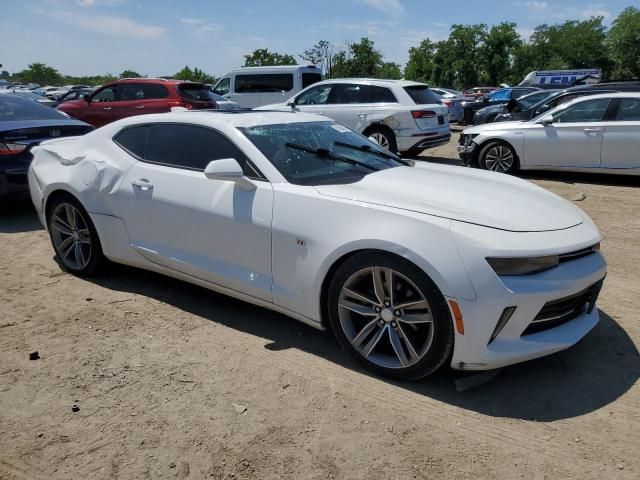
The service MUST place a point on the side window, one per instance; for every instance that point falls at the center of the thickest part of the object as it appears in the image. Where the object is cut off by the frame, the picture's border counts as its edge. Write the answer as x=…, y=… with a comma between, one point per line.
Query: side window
x=587, y=111
x=277, y=82
x=133, y=140
x=131, y=91
x=315, y=96
x=310, y=79
x=563, y=99
x=109, y=94
x=628, y=110
x=223, y=86
x=381, y=95
x=152, y=90
x=190, y=147
x=348, y=93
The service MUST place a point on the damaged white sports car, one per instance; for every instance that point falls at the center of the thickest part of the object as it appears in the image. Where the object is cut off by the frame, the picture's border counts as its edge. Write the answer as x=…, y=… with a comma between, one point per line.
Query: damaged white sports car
x=411, y=266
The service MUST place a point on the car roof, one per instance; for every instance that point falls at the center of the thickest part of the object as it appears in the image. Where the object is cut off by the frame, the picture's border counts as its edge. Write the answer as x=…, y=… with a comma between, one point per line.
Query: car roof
x=221, y=118
x=372, y=81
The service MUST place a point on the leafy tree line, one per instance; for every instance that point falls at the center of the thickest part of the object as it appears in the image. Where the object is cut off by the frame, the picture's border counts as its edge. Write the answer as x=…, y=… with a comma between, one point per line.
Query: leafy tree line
x=471, y=55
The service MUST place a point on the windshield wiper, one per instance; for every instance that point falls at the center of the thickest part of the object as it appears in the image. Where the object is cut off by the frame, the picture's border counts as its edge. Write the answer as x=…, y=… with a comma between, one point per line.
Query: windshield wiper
x=368, y=149
x=326, y=153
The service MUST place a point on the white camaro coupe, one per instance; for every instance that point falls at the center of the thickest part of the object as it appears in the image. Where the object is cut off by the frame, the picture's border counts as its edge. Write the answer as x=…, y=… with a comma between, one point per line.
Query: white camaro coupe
x=411, y=265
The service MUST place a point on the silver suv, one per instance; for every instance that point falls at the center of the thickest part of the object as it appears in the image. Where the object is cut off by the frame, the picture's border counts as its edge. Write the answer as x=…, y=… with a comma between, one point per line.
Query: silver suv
x=402, y=116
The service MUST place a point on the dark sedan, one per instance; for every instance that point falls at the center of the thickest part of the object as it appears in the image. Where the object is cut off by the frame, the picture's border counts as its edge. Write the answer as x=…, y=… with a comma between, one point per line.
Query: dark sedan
x=514, y=107
x=501, y=96
x=23, y=124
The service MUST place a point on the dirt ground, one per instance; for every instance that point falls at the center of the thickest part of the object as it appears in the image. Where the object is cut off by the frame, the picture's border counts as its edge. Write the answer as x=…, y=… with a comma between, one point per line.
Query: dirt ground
x=173, y=381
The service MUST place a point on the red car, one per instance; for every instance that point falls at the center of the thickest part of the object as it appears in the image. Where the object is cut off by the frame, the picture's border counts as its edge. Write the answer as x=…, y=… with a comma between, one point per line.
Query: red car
x=135, y=96
x=478, y=92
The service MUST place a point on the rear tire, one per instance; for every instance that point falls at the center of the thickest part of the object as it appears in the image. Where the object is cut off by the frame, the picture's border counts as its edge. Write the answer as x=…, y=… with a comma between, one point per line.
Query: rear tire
x=383, y=137
x=74, y=237
x=390, y=316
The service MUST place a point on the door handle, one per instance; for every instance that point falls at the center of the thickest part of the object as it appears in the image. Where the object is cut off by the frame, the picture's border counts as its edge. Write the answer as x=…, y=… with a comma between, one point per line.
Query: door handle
x=140, y=107
x=592, y=130
x=106, y=108
x=361, y=115
x=143, y=184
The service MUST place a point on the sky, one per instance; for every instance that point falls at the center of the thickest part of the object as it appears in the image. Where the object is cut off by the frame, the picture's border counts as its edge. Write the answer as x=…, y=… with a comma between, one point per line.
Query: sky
x=159, y=37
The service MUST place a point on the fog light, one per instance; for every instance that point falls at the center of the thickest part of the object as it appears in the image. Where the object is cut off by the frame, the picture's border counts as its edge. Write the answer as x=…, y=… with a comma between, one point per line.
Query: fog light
x=504, y=318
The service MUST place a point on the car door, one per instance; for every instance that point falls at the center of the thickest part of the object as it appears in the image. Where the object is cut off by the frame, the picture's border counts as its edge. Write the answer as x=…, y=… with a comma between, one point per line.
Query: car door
x=103, y=107
x=178, y=218
x=350, y=105
x=573, y=139
x=621, y=142
x=139, y=98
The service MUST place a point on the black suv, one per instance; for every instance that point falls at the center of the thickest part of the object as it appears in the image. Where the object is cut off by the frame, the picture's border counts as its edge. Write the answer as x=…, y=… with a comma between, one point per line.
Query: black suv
x=514, y=111
x=496, y=97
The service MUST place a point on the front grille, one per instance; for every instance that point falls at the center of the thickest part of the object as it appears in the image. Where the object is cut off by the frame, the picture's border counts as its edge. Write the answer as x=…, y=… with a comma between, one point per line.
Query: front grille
x=567, y=257
x=563, y=310
x=440, y=119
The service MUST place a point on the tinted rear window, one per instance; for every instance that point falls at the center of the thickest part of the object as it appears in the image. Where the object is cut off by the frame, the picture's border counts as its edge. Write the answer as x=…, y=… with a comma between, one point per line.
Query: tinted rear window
x=265, y=82
x=133, y=139
x=196, y=91
x=310, y=79
x=422, y=94
x=14, y=108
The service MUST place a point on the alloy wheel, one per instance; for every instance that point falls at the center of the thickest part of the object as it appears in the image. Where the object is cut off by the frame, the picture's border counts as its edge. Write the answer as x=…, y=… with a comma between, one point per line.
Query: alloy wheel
x=499, y=159
x=386, y=317
x=71, y=236
x=381, y=139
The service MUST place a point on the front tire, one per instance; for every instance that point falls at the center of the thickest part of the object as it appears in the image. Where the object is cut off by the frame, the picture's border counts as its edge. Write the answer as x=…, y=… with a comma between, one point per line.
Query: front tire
x=390, y=316
x=498, y=157
x=74, y=237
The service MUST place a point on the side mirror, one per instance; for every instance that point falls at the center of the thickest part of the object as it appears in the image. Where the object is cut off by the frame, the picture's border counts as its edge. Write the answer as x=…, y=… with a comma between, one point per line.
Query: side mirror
x=542, y=109
x=86, y=97
x=546, y=120
x=228, y=169
x=291, y=103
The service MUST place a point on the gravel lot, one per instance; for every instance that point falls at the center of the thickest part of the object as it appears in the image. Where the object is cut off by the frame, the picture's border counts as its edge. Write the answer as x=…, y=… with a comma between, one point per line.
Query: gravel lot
x=174, y=381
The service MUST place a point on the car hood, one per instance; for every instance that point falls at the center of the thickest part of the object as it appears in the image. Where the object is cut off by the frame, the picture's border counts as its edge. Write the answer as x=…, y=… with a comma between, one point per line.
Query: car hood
x=489, y=199
x=490, y=127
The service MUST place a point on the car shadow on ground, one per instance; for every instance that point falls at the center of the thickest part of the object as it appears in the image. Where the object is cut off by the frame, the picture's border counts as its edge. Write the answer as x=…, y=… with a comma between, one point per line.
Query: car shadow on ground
x=18, y=216
x=589, y=376
x=586, y=178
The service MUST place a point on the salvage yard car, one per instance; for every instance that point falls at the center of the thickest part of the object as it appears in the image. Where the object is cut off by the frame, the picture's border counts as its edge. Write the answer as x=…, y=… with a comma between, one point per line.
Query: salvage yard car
x=23, y=124
x=297, y=213
x=401, y=116
x=596, y=133
x=137, y=96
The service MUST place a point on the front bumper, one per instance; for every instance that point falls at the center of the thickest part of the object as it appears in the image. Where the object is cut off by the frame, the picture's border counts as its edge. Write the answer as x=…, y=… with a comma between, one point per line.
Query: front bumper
x=531, y=295
x=466, y=149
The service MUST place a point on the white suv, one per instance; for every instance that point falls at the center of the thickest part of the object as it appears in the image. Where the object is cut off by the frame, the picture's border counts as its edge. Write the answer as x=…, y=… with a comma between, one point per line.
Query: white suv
x=402, y=116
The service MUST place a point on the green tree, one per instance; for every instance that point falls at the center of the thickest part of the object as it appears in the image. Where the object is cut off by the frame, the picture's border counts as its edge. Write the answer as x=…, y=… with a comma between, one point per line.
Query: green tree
x=40, y=73
x=464, y=53
x=195, y=75
x=262, y=57
x=623, y=41
x=130, y=74
x=362, y=59
x=420, y=64
x=321, y=55
x=498, y=52
x=390, y=70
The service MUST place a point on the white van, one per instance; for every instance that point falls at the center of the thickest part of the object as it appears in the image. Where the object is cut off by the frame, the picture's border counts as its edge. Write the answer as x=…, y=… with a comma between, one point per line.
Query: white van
x=256, y=86
x=561, y=77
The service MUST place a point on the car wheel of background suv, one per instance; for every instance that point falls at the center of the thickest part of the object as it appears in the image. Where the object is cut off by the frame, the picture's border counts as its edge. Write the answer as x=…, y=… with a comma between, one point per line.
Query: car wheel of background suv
x=383, y=137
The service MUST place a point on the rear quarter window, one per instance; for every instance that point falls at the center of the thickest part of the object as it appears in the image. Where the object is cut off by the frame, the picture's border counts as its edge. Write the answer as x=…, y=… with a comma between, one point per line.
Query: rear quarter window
x=133, y=140
x=421, y=94
x=310, y=79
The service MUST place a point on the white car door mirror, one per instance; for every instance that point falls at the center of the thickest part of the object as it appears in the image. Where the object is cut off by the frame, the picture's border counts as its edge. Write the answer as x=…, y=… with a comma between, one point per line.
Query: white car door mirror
x=546, y=120
x=228, y=169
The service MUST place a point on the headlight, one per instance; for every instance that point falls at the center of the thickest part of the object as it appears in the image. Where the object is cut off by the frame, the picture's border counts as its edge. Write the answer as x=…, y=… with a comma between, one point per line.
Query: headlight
x=522, y=265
